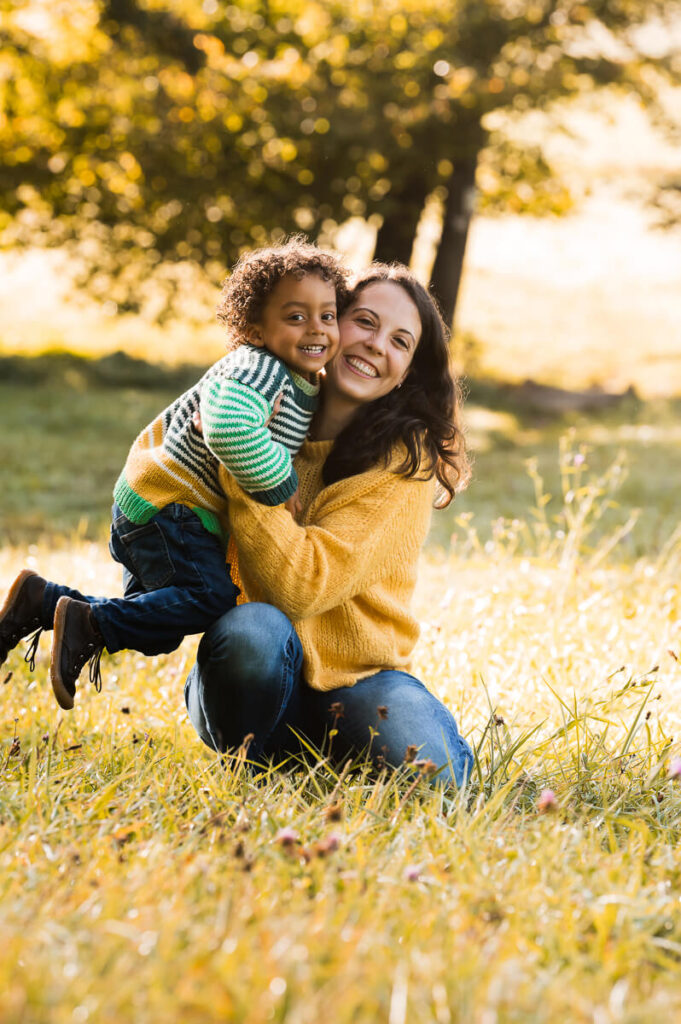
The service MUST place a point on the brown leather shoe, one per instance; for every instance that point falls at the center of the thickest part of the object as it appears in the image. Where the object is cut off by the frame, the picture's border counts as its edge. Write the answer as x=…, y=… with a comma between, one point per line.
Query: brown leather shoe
x=75, y=641
x=21, y=614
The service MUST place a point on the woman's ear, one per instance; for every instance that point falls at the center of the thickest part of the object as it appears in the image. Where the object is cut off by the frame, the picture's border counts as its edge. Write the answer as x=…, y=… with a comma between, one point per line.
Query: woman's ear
x=255, y=336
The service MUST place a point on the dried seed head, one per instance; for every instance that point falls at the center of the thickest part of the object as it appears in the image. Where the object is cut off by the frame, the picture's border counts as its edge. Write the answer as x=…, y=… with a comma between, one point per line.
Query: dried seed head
x=334, y=812
x=382, y=711
x=410, y=753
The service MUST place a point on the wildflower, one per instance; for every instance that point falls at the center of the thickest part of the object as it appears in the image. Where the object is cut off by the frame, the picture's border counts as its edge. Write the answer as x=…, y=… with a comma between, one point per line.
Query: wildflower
x=382, y=711
x=286, y=836
x=675, y=768
x=578, y=459
x=547, y=801
x=410, y=753
x=337, y=709
x=328, y=844
x=412, y=873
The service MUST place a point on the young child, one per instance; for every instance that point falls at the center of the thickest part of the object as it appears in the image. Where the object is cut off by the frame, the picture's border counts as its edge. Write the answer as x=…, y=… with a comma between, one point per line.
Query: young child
x=169, y=521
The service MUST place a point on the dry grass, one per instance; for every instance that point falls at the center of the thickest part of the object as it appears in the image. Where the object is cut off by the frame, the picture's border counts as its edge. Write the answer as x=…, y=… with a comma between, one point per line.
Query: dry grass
x=142, y=880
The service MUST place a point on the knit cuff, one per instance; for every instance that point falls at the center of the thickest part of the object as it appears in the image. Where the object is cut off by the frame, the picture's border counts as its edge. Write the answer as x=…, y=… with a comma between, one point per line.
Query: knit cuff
x=279, y=494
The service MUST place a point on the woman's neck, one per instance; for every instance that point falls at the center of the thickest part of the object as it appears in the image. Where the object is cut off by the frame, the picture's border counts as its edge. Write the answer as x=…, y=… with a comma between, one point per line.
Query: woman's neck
x=332, y=416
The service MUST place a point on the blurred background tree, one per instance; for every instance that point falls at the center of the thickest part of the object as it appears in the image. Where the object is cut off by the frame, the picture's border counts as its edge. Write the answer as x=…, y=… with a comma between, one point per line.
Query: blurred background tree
x=145, y=135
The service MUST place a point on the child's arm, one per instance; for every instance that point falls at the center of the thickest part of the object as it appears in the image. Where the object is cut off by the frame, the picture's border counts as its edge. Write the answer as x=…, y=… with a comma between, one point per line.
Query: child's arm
x=234, y=418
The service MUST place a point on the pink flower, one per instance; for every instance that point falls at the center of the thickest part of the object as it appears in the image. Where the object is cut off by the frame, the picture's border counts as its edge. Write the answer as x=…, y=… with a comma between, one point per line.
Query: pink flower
x=547, y=800
x=328, y=845
x=675, y=768
x=412, y=873
x=286, y=836
x=578, y=459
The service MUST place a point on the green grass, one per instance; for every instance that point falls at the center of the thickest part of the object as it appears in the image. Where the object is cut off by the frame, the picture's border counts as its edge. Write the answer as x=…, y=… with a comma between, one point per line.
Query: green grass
x=141, y=879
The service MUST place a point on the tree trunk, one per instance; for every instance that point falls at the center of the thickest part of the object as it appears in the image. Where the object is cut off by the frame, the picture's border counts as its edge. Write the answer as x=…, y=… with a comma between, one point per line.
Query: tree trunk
x=446, y=275
x=396, y=234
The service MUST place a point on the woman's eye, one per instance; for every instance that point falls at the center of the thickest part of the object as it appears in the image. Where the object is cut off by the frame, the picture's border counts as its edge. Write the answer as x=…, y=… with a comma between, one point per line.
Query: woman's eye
x=402, y=342
x=365, y=321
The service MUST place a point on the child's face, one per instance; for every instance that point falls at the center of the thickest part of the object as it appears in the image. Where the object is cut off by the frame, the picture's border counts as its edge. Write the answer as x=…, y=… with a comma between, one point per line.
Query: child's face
x=299, y=323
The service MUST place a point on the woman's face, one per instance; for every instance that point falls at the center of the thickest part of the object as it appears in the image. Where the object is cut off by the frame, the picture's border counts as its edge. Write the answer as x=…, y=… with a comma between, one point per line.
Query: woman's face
x=379, y=333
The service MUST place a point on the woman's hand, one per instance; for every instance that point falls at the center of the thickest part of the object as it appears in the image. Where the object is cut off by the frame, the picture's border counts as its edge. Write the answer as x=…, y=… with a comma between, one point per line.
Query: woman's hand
x=293, y=504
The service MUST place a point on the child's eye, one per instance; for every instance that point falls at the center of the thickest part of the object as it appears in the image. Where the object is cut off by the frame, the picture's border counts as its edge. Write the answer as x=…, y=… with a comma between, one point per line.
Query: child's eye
x=330, y=317
x=296, y=317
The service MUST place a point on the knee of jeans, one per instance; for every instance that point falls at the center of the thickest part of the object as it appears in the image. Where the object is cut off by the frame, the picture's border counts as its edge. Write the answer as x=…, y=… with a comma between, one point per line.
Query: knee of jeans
x=252, y=640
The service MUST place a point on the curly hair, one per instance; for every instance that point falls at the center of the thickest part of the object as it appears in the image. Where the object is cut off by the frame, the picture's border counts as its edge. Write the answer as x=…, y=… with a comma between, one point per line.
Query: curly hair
x=422, y=416
x=257, y=273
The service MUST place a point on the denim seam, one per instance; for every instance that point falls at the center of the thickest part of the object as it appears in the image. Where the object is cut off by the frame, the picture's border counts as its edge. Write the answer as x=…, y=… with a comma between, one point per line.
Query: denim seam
x=287, y=672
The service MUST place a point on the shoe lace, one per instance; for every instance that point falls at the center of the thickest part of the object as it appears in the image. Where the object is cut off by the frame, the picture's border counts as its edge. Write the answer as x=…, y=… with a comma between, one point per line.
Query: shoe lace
x=32, y=648
x=95, y=669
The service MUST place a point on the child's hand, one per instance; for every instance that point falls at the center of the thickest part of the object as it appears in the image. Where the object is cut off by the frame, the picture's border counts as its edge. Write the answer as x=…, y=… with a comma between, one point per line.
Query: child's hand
x=196, y=422
x=294, y=505
x=275, y=408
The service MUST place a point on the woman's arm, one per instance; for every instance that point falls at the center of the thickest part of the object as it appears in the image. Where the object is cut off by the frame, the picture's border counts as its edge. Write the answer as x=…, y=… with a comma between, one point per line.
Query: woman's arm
x=306, y=570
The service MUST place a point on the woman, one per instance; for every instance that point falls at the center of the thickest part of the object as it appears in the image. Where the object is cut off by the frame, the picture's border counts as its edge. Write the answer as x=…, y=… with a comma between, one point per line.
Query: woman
x=384, y=436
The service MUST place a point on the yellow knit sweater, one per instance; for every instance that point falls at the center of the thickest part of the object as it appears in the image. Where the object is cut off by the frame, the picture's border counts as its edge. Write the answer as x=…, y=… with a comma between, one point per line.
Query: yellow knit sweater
x=345, y=576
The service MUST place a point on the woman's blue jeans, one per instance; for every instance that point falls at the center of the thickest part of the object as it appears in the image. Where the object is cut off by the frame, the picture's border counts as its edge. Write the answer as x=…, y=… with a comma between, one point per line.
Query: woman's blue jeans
x=247, y=680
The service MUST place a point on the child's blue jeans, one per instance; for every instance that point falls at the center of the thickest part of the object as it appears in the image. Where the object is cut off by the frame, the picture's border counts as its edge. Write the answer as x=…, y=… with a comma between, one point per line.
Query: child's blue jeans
x=176, y=582
x=247, y=680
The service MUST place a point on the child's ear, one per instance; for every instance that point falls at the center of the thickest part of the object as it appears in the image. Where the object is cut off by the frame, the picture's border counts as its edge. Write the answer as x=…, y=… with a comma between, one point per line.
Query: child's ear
x=255, y=335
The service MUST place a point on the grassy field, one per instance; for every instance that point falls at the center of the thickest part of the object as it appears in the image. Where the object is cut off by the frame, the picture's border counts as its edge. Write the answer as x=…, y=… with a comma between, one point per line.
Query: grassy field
x=141, y=879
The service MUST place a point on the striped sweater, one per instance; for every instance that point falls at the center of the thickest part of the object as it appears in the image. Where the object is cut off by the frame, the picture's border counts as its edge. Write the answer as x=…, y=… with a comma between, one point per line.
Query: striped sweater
x=170, y=461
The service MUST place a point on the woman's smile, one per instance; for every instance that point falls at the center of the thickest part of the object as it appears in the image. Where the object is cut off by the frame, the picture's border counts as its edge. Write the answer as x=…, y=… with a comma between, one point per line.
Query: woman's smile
x=361, y=367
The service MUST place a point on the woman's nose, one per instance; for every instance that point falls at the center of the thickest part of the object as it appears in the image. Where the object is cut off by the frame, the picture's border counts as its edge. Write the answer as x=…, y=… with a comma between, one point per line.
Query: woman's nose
x=376, y=341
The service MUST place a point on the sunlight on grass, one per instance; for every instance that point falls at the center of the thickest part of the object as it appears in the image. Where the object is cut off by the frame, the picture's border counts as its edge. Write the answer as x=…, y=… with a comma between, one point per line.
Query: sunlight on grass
x=142, y=879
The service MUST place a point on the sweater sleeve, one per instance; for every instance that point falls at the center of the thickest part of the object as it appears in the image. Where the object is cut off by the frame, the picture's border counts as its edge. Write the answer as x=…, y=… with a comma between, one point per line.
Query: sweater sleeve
x=307, y=570
x=234, y=418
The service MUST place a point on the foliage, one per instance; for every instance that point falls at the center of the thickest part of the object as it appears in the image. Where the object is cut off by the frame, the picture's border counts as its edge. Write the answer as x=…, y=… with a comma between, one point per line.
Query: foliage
x=142, y=878
x=145, y=133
